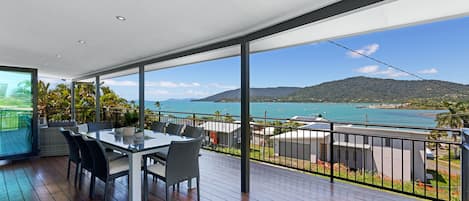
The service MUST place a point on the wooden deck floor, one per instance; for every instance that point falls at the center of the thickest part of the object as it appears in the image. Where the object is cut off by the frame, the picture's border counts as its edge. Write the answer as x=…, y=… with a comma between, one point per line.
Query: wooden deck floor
x=45, y=179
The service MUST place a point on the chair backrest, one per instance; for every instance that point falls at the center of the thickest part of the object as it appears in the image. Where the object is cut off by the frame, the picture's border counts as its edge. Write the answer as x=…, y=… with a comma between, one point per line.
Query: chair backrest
x=174, y=129
x=158, y=126
x=193, y=132
x=86, y=155
x=101, y=162
x=182, y=162
x=96, y=126
x=73, y=149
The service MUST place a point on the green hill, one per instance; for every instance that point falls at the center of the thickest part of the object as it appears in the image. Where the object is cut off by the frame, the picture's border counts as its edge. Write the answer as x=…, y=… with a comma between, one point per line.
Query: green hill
x=356, y=89
x=257, y=94
x=365, y=89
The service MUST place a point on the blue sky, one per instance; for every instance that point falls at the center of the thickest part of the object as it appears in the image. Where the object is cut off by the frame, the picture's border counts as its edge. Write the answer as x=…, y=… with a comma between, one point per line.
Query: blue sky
x=437, y=50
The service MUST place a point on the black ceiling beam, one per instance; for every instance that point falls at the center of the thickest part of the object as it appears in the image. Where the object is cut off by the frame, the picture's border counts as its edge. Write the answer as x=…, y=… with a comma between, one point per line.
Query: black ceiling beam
x=313, y=16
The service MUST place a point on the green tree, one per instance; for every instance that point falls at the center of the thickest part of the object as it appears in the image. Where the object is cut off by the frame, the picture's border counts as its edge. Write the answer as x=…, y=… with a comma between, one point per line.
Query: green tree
x=454, y=118
x=158, y=105
x=43, y=91
x=217, y=115
x=228, y=118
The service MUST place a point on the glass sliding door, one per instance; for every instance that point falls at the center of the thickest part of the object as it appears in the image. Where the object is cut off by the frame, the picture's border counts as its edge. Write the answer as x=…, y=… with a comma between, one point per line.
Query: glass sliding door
x=18, y=113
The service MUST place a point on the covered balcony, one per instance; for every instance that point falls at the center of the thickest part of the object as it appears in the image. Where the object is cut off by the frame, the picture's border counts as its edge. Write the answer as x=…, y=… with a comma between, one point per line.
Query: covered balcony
x=243, y=156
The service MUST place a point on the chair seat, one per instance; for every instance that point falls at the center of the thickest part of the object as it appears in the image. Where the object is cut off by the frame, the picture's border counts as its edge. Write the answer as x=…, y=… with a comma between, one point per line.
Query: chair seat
x=162, y=153
x=158, y=169
x=119, y=165
x=114, y=155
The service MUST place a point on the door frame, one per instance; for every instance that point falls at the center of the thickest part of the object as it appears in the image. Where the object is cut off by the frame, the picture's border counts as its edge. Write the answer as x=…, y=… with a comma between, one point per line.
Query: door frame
x=34, y=119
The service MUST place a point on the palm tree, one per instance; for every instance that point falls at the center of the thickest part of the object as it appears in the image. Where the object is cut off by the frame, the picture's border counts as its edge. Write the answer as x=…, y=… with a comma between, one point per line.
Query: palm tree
x=158, y=105
x=217, y=115
x=42, y=90
x=452, y=118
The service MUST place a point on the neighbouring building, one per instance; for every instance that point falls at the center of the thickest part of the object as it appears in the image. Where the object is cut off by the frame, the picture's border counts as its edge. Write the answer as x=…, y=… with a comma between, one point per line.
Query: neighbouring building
x=373, y=149
x=222, y=133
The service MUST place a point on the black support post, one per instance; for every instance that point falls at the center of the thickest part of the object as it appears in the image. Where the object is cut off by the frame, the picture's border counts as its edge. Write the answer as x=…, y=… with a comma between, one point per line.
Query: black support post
x=98, y=95
x=141, y=96
x=72, y=94
x=464, y=164
x=245, y=127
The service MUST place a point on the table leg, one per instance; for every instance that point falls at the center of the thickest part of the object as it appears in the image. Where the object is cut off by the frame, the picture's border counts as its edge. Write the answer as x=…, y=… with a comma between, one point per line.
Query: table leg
x=135, y=186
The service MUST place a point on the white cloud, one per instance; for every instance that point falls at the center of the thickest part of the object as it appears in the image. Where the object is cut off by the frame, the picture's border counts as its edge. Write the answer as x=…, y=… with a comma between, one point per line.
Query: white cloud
x=195, y=93
x=169, y=84
x=368, y=69
x=221, y=86
x=125, y=83
x=367, y=50
x=157, y=92
x=429, y=71
x=390, y=72
x=375, y=70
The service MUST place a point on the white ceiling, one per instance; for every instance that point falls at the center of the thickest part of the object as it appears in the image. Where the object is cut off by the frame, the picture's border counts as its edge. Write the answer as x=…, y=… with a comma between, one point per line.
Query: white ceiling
x=43, y=34
x=41, y=30
x=385, y=16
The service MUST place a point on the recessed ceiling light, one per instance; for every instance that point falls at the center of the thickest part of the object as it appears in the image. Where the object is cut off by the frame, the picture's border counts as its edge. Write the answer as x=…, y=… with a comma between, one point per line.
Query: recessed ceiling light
x=58, y=56
x=121, y=18
x=81, y=42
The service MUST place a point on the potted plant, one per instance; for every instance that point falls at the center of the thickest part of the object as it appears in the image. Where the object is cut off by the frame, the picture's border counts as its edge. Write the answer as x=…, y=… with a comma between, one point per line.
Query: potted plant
x=130, y=121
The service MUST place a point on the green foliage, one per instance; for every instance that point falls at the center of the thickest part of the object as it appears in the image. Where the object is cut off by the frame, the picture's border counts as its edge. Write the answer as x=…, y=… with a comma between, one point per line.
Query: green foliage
x=55, y=103
x=21, y=96
x=456, y=117
x=130, y=118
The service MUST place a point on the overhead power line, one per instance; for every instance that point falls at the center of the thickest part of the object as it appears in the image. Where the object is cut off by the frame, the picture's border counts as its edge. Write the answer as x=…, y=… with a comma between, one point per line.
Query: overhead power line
x=375, y=59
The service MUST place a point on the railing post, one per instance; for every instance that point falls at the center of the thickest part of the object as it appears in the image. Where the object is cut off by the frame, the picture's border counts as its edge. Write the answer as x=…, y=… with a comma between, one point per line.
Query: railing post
x=465, y=164
x=331, y=148
x=193, y=119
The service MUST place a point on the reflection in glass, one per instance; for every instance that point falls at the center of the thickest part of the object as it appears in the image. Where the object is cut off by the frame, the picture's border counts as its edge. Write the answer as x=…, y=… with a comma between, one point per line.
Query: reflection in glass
x=15, y=113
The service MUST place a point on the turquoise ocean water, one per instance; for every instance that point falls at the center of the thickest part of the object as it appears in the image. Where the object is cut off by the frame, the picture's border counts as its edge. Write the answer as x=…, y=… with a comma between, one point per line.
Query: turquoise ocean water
x=349, y=112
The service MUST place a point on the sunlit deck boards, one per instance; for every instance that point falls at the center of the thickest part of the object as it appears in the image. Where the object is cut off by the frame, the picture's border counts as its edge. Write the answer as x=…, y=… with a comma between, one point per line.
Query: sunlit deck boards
x=45, y=179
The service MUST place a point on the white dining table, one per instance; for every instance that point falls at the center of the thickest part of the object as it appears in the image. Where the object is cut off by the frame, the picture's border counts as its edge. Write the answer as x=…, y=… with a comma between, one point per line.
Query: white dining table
x=135, y=147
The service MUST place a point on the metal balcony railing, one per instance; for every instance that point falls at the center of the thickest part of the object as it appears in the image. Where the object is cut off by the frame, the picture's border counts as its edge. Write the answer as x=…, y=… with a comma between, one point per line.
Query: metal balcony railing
x=417, y=161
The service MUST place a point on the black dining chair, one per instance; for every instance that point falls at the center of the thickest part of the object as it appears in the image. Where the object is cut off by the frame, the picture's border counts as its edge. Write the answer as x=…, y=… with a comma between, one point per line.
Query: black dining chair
x=96, y=126
x=157, y=126
x=182, y=164
x=193, y=132
x=189, y=131
x=86, y=157
x=73, y=153
x=174, y=129
x=104, y=169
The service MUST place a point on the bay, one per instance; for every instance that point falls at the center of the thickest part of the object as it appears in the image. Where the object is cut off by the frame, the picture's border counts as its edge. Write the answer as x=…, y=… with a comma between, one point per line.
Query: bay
x=343, y=112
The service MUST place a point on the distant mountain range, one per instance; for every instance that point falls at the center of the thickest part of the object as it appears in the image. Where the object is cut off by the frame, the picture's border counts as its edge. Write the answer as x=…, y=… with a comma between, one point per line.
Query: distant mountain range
x=354, y=89
x=257, y=94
